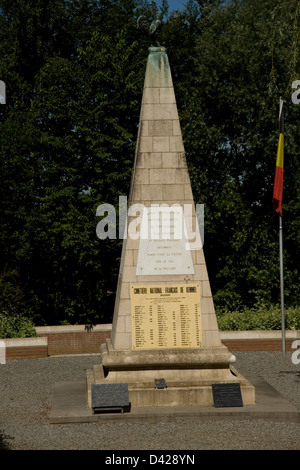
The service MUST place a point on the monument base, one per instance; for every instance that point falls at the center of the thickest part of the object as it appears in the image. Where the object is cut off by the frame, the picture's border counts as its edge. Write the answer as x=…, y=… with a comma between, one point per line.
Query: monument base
x=188, y=375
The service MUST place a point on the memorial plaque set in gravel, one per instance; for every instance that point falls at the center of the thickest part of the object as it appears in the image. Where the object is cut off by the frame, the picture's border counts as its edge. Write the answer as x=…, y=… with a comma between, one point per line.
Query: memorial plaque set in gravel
x=227, y=395
x=110, y=397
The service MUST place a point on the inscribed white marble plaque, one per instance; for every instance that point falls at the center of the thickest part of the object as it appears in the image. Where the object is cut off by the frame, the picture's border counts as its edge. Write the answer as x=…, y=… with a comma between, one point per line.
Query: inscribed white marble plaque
x=164, y=248
x=166, y=316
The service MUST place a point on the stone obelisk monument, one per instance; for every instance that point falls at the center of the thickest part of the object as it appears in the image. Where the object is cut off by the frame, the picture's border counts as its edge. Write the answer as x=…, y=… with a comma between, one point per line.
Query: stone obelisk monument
x=164, y=324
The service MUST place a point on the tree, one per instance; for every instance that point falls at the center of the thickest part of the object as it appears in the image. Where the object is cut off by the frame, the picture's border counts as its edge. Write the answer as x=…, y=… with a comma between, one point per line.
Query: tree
x=74, y=72
x=73, y=151
x=241, y=59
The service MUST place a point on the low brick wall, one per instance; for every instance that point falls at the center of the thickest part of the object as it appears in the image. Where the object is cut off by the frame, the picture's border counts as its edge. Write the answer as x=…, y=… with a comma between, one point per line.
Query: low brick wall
x=76, y=339
x=25, y=348
x=258, y=340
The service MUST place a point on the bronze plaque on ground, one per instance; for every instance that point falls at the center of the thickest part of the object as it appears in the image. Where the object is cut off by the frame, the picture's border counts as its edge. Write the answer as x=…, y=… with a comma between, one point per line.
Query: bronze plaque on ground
x=109, y=396
x=227, y=395
x=166, y=316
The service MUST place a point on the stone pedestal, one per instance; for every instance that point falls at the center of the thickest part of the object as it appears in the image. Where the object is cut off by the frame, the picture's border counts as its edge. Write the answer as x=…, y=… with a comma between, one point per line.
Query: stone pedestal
x=188, y=374
x=164, y=323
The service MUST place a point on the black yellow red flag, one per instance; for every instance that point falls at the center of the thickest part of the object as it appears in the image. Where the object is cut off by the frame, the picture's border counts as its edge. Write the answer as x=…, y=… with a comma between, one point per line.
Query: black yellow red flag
x=278, y=180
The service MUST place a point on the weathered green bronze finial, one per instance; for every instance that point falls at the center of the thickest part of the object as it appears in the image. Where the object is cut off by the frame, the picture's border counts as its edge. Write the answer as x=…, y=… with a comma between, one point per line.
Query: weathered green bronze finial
x=153, y=28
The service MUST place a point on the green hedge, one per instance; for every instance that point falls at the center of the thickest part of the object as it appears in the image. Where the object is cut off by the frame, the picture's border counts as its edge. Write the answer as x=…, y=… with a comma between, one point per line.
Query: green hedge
x=15, y=326
x=13, y=323
x=260, y=318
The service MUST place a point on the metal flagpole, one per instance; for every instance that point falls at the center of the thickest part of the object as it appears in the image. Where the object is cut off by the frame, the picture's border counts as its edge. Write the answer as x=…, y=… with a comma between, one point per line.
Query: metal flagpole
x=281, y=130
x=281, y=285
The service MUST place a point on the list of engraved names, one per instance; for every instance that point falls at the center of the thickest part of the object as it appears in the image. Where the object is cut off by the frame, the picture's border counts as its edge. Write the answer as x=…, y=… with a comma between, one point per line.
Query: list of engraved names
x=166, y=316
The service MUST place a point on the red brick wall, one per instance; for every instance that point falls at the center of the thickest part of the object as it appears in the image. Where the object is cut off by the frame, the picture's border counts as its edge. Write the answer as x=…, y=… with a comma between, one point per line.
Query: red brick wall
x=257, y=344
x=76, y=342
x=24, y=352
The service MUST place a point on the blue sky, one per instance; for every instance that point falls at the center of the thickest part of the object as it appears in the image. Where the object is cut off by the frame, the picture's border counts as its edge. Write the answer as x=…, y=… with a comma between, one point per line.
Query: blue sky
x=173, y=4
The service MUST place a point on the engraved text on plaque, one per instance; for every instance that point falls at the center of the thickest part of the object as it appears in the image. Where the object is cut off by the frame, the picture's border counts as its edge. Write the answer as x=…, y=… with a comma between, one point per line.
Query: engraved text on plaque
x=166, y=316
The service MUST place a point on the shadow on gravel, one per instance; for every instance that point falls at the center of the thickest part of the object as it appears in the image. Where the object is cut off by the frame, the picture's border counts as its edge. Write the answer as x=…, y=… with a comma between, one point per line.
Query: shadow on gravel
x=297, y=374
x=3, y=443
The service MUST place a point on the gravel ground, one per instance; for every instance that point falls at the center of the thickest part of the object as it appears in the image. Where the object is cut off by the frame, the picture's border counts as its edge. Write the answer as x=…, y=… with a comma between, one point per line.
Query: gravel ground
x=26, y=387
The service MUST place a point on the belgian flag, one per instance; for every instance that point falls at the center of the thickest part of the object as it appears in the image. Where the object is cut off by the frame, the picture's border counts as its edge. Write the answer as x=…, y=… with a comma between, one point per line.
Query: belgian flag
x=278, y=180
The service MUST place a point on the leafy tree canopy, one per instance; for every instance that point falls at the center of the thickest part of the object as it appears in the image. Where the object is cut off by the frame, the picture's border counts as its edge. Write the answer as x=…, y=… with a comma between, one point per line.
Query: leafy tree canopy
x=74, y=72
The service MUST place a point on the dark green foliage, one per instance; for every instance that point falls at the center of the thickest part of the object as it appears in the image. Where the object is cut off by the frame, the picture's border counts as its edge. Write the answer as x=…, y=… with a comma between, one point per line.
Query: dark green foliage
x=74, y=74
x=15, y=321
x=244, y=53
x=67, y=145
x=260, y=317
x=16, y=325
